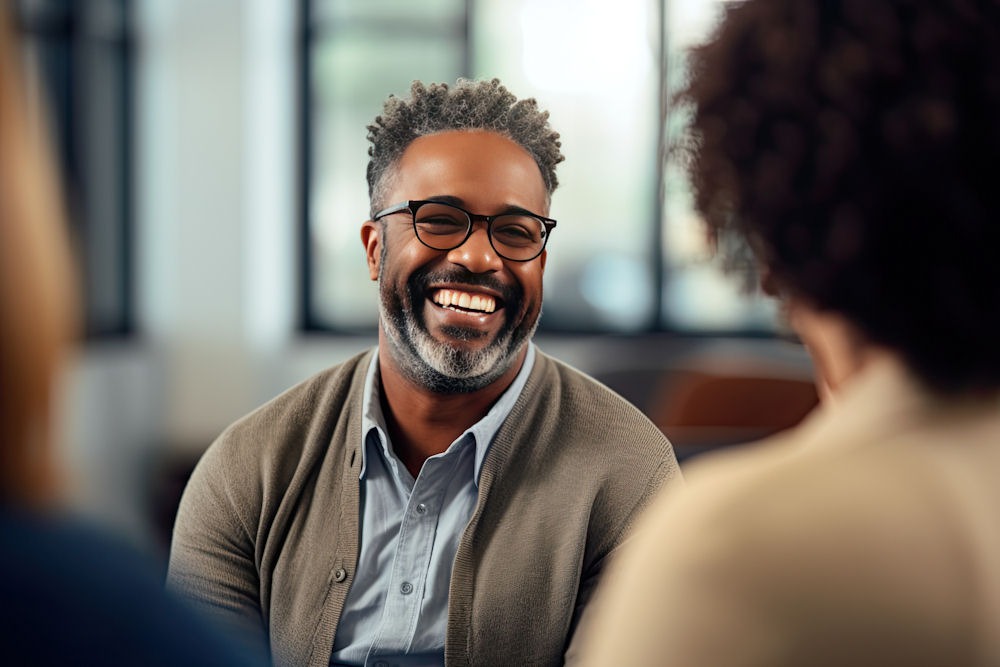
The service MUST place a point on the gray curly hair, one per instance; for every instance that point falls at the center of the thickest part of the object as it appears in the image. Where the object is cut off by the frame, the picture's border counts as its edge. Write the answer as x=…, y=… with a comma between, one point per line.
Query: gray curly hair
x=469, y=105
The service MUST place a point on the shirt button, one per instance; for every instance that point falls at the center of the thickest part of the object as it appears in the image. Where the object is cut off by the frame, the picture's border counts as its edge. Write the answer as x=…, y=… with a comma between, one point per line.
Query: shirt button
x=406, y=588
x=339, y=575
x=380, y=663
x=421, y=509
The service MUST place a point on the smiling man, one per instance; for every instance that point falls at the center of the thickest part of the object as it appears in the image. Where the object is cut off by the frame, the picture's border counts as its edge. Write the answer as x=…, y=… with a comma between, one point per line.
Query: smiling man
x=451, y=496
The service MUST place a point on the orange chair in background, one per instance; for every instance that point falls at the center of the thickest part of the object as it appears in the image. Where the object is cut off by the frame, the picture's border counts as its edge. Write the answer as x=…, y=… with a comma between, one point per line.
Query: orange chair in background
x=703, y=409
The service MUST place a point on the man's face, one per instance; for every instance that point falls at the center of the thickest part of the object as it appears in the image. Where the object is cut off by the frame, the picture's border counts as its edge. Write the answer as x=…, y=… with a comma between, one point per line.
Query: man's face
x=456, y=320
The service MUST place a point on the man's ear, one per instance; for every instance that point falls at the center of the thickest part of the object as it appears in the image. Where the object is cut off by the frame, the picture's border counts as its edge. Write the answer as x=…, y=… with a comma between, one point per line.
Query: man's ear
x=371, y=238
x=542, y=258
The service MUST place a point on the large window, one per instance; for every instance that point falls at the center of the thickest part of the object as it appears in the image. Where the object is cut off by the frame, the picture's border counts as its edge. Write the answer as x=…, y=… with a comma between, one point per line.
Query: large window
x=628, y=255
x=81, y=55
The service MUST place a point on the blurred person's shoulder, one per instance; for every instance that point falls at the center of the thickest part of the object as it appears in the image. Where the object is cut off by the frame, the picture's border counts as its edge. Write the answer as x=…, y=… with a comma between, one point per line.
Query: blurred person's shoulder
x=73, y=592
x=876, y=451
x=864, y=523
x=829, y=489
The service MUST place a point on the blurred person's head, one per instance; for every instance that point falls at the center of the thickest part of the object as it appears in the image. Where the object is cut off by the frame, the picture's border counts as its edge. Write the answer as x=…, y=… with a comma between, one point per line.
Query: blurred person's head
x=852, y=144
x=36, y=304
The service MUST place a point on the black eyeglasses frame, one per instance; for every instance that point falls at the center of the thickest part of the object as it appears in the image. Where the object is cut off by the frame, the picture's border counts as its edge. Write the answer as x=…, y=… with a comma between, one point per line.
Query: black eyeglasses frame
x=413, y=205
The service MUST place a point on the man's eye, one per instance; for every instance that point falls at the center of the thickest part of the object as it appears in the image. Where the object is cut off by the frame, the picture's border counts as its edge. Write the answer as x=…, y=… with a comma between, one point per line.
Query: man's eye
x=440, y=226
x=517, y=232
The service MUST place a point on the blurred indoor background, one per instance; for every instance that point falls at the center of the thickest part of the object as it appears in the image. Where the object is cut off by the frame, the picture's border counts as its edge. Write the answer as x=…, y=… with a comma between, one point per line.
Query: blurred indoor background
x=214, y=154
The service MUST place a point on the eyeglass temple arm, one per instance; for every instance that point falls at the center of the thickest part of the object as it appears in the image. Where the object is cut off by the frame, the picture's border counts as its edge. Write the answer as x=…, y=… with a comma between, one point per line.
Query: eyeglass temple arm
x=398, y=208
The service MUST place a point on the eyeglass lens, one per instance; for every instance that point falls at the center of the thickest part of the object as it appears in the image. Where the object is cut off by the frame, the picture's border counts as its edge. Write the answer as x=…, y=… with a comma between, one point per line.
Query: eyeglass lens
x=444, y=227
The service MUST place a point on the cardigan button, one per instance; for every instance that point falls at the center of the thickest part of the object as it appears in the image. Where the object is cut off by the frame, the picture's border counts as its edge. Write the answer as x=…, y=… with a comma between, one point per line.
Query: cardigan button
x=339, y=575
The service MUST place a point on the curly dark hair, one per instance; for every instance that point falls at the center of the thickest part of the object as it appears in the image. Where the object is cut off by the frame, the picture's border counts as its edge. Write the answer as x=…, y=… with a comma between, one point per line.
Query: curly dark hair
x=469, y=105
x=852, y=144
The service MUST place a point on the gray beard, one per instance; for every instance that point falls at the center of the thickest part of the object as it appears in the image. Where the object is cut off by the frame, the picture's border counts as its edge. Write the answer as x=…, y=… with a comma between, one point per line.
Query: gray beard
x=436, y=366
x=441, y=368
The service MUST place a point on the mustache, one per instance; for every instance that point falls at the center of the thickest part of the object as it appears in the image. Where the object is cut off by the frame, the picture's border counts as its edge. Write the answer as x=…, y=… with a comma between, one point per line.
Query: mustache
x=422, y=279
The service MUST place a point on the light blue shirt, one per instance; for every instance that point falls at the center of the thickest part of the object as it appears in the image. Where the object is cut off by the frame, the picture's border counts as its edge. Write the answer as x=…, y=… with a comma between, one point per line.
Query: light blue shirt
x=396, y=612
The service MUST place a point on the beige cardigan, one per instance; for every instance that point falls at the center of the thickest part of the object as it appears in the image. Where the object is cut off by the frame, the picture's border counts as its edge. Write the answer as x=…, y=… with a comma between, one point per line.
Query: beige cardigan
x=267, y=530
x=869, y=535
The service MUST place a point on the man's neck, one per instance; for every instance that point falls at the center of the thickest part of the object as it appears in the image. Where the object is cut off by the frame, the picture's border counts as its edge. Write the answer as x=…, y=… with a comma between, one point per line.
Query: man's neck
x=423, y=423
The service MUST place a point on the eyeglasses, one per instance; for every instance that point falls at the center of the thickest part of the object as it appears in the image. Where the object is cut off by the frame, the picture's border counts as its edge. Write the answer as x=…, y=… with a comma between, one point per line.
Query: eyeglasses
x=519, y=237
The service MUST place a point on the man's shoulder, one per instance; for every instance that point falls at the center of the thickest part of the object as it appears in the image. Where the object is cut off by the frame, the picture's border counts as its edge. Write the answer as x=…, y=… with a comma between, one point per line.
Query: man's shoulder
x=560, y=377
x=584, y=402
x=564, y=414
x=296, y=415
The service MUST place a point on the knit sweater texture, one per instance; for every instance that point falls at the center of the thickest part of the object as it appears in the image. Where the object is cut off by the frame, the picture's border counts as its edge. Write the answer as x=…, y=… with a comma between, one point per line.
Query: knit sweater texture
x=267, y=533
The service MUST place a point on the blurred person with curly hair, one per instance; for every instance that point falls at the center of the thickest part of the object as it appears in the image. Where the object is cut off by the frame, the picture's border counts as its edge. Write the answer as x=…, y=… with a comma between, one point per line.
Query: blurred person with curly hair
x=451, y=496
x=851, y=145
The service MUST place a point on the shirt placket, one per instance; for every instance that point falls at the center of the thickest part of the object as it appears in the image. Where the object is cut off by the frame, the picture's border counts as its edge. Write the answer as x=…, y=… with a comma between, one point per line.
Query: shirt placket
x=411, y=563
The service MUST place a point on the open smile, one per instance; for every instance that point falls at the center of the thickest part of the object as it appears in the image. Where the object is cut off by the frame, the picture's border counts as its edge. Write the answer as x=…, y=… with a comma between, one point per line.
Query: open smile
x=465, y=301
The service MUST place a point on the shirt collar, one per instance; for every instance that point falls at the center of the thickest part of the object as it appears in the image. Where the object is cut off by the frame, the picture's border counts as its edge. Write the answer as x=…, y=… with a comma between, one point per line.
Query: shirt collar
x=482, y=432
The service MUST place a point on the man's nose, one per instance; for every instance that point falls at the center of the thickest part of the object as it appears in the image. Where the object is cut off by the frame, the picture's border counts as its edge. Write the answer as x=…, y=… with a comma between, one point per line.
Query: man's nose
x=477, y=254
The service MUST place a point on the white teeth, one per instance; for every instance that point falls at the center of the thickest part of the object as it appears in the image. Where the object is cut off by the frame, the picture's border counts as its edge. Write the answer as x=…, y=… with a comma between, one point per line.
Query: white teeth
x=465, y=300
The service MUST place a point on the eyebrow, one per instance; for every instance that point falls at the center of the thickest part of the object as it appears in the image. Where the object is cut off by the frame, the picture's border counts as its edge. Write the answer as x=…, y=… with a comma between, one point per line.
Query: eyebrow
x=458, y=201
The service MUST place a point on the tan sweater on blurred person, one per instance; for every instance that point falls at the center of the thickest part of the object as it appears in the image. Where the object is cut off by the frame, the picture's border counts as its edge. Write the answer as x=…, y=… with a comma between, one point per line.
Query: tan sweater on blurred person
x=869, y=535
